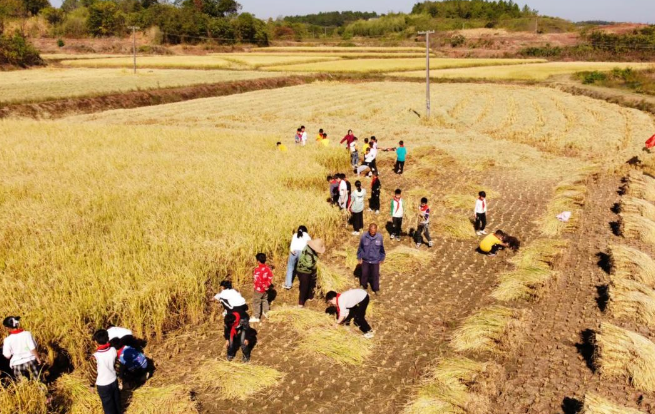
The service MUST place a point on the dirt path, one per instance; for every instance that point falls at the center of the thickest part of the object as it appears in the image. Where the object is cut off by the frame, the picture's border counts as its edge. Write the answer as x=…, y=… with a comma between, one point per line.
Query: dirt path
x=552, y=367
x=412, y=318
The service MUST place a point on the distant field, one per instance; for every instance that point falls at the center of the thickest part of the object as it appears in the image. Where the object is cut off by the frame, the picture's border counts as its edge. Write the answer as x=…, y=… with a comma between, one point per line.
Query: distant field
x=56, y=83
x=72, y=56
x=392, y=65
x=337, y=49
x=537, y=71
x=158, y=62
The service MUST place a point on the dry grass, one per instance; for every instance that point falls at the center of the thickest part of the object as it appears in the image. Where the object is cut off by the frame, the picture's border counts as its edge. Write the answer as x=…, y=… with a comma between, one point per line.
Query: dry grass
x=260, y=60
x=328, y=279
x=639, y=185
x=595, y=404
x=492, y=329
x=637, y=206
x=457, y=226
x=155, y=62
x=570, y=196
x=406, y=259
x=530, y=71
x=75, y=395
x=73, y=56
x=632, y=264
x=455, y=386
x=56, y=83
x=337, y=49
x=23, y=397
x=632, y=301
x=395, y=65
x=319, y=336
x=620, y=353
x=232, y=380
x=637, y=227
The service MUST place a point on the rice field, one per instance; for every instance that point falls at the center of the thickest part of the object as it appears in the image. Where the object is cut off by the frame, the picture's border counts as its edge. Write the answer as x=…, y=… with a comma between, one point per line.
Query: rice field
x=532, y=71
x=338, y=49
x=395, y=65
x=57, y=83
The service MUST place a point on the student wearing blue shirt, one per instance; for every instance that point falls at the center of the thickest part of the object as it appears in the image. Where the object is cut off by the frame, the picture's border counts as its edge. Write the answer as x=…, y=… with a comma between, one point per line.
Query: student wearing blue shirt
x=401, y=154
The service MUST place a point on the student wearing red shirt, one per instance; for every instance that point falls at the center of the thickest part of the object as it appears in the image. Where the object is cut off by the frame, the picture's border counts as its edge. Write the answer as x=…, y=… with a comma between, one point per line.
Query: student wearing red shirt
x=262, y=278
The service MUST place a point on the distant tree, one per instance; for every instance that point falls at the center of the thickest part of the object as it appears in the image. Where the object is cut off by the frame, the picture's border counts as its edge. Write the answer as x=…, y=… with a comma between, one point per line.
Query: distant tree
x=213, y=8
x=105, y=19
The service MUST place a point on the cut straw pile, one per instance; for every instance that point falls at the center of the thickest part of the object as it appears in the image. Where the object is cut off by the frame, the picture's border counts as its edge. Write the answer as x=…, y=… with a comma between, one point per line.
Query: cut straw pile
x=631, y=264
x=77, y=396
x=493, y=329
x=533, y=271
x=620, y=353
x=319, y=335
x=23, y=397
x=595, y=404
x=406, y=259
x=456, y=226
x=328, y=279
x=453, y=388
x=637, y=227
x=569, y=196
x=633, y=301
x=640, y=185
x=637, y=206
x=230, y=380
x=459, y=201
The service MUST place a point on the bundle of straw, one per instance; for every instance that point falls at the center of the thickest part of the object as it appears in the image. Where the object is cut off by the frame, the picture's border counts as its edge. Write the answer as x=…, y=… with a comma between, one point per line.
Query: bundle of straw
x=172, y=399
x=78, y=398
x=406, y=259
x=23, y=397
x=638, y=227
x=456, y=226
x=640, y=185
x=637, y=206
x=569, y=196
x=632, y=300
x=328, y=279
x=632, y=264
x=620, y=353
x=230, y=380
x=595, y=404
x=489, y=330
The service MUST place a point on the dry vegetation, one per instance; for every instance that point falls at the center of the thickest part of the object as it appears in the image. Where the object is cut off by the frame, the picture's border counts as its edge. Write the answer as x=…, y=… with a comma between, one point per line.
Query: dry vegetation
x=595, y=404
x=639, y=185
x=634, y=226
x=231, y=380
x=631, y=264
x=490, y=330
x=632, y=301
x=23, y=397
x=569, y=196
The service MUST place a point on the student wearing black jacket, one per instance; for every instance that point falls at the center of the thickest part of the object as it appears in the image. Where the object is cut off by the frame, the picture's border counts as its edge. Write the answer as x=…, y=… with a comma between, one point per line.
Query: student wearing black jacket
x=376, y=188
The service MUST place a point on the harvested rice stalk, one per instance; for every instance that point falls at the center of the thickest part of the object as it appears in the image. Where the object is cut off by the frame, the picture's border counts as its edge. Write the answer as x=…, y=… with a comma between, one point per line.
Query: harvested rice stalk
x=632, y=300
x=524, y=283
x=637, y=227
x=595, y=404
x=77, y=396
x=328, y=279
x=350, y=257
x=632, y=264
x=459, y=201
x=490, y=330
x=406, y=259
x=173, y=399
x=456, y=226
x=230, y=380
x=320, y=336
x=640, y=185
x=453, y=388
x=620, y=353
x=541, y=253
x=637, y=206
x=569, y=196
x=23, y=397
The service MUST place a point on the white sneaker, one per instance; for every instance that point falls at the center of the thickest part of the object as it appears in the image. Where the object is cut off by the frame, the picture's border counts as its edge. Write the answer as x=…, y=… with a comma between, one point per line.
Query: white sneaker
x=479, y=233
x=483, y=232
x=377, y=211
x=369, y=335
x=369, y=210
x=430, y=244
x=418, y=245
x=392, y=237
x=254, y=320
x=355, y=233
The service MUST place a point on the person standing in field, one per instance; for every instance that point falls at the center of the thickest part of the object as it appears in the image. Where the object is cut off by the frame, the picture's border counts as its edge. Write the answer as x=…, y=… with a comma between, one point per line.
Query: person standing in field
x=357, y=208
x=424, y=224
x=231, y=299
x=370, y=255
x=348, y=139
x=374, y=154
x=262, y=279
x=106, y=380
x=481, y=213
x=376, y=189
x=298, y=137
x=401, y=154
x=320, y=136
x=365, y=147
x=354, y=154
x=325, y=141
x=20, y=349
x=397, y=214
x=303, y=136
x=334, y=189
x=351, y=305
x=298, y=243
x=307, y=268
x=343, y=191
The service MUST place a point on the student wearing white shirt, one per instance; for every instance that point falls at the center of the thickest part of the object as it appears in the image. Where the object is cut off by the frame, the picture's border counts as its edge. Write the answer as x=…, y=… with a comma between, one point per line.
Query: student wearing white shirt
x=354, y=154
x=351, y=305
x=231, y=299
x=119, y=337
x=298, y=243
x=106, y=381
x=20, y=349
x=303, y=140
x=357, y=208
x=481, y=213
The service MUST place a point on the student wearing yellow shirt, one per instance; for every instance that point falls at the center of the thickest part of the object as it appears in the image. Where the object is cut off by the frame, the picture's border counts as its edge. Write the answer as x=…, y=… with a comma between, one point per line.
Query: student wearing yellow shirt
x=281, y=147
x=493, y=242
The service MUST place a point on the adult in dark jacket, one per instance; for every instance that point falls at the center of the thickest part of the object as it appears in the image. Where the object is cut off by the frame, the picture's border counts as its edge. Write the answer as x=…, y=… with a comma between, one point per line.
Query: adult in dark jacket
x=371, y=255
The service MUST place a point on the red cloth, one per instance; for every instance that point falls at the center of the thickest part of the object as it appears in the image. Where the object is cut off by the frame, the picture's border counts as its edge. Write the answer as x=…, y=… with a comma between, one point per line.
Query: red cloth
x=235, y=325
x=15, y=331
x=651, y=142
x=338, y=309
x=348, y=139
x=263, y=276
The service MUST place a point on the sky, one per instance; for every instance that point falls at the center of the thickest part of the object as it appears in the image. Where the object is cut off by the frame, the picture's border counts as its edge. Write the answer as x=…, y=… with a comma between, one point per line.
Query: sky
x=641, y=11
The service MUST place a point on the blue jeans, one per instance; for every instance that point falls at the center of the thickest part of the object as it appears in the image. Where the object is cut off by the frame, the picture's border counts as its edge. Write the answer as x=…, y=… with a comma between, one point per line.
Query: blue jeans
x=291, y=267
x=354, y=158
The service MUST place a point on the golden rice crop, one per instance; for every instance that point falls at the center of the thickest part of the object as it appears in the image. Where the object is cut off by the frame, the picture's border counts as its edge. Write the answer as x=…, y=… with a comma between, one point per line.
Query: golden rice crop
x=595, y=404
x=233, y=380
x=457, y=226
x=620, y=353
x=632, y=205
x=406, y=259
x=328, y=279
x=132, y=225
x=633, y=301
x=449, y=388
x=637, y=227
x=23, y=397
x=339, y=49
x=541, y=253
x=640, y=185
x=632, y=264
x=320, y=336
x=459, y=201
x=156, y=62
x=75, y=395
x=394, y=65
x=56, y=83
x=492, y=329
x=530, y=71
x=259, y=60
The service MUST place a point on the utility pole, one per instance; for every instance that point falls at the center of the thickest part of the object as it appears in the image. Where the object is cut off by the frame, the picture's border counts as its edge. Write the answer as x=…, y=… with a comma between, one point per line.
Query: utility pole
x=134, y=29
x=536, y=25
x=427, y=71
